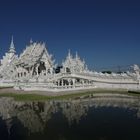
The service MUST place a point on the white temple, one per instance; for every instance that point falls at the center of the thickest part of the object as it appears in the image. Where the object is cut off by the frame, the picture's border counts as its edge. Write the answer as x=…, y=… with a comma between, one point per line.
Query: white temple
x=35, y=69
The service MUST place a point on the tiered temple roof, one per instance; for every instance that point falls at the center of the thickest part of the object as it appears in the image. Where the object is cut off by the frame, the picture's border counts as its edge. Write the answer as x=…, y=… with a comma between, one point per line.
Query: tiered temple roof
x=32, y=54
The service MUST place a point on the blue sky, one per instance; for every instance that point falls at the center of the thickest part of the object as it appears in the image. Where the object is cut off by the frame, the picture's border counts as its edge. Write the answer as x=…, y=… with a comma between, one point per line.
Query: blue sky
x=106, y=33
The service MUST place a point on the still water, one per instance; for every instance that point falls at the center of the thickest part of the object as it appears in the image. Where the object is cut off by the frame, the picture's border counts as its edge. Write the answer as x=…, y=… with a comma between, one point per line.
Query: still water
x=100, y=118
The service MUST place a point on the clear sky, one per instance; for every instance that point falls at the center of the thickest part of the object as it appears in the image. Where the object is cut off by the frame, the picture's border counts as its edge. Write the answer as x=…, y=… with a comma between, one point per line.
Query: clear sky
x=106, y=33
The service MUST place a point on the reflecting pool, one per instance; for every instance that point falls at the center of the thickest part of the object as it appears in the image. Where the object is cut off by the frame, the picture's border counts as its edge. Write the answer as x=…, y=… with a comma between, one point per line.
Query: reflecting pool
x=100, y=118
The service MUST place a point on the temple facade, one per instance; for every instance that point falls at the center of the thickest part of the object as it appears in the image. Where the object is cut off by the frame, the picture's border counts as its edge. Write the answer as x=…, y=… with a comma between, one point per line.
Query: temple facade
x=35, y=69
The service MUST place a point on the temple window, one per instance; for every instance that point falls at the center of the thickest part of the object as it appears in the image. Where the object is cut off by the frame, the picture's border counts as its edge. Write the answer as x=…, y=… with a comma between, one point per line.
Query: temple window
x=67, y=70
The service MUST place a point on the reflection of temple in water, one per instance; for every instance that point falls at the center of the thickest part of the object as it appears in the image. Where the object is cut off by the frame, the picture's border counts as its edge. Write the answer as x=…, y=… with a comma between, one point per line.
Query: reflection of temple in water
x=34, y=116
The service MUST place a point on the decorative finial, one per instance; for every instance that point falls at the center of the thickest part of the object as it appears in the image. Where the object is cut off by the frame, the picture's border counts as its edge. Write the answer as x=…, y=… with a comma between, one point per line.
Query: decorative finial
x=84, y=61
x=86, y=68
x=12, y=39
x=31, y=41
x=69, y=54
x=76, y=55
x=12, y=46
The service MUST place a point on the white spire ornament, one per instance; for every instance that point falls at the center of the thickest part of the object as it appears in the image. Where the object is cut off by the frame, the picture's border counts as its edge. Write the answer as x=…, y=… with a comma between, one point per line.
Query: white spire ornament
x=69, y=54
x=77, y=56
x=31, y=41
x=12, y=47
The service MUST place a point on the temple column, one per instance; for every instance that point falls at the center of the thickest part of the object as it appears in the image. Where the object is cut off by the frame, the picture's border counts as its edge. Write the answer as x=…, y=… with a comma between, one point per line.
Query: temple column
x=83, y=82
x=62, y=83
x=69, y=80
x=37, y=69
x=32, y=68
x=73, y=81
x=46, y=69
x=58, y=82
x=51, y=70
x=30, y=71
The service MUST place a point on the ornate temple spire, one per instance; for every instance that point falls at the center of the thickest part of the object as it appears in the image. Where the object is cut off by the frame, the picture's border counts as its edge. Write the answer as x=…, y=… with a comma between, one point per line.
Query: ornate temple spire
x=76, y=56
x=12, y=46
x=69, y=54
x=84, y=61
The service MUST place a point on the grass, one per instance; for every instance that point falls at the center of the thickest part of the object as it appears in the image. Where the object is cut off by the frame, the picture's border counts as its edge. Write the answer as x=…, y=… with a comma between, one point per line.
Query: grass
x=34, y=97
x=6, y=87
x=26, y=97
x=86, y=94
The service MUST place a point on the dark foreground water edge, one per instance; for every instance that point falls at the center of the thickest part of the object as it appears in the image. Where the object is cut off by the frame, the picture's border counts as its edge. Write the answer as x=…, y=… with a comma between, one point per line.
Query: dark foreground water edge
x=100, y=118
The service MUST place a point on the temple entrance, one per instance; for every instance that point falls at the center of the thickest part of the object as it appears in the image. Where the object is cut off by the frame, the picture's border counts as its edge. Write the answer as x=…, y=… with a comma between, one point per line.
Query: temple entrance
x=41, y=67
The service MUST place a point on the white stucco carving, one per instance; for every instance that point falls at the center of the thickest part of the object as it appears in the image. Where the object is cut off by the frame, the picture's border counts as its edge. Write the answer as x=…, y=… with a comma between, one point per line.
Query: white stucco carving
x=35, y=69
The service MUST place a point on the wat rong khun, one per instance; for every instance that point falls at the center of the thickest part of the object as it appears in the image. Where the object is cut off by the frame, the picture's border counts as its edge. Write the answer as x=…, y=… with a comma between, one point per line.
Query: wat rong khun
x=35, y=70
